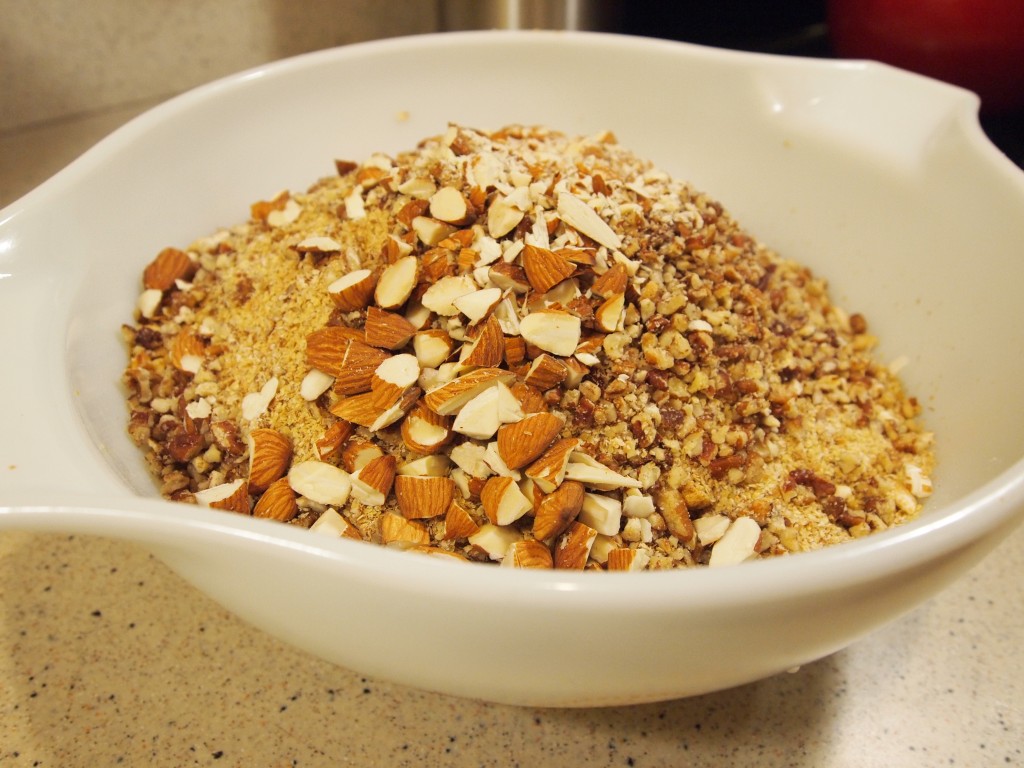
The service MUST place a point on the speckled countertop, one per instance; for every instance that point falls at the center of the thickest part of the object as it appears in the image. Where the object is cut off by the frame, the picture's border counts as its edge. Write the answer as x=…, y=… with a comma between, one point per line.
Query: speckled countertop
x=107, y=658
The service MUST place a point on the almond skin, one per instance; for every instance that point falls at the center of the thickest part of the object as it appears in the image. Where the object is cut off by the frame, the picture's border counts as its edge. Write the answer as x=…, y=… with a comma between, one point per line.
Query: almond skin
x=524, y=441
x=573, y=548
x=423, y=497
x=489, y=345
x=354, y=290
x=270, y=453
x=528, y=553
x=168, y=266
x=277, y=502
x=613, y=281
x=545, y=269
x=386, y=329
x=326, y=348
x=458, y=524
x=558, y=510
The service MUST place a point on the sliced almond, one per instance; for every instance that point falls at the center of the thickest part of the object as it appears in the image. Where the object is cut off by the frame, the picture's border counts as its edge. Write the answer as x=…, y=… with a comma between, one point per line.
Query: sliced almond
x=398, y=531
x=432, y=347
x=318, y=245
x=737, y=544
x=515, y=350
x=493, y=541
x=424, y=431
x=320, y=482
x=585, y=220
x=277, y=502
x=331, y=523
x=502, y=501
x=573, y=548
x=476, y=305
x=232, y=497
x=368, y=176
x=260, y=210
x=502, y=217
x=613, y=281
x=458, y=523
x=363, y=409
x=314, y=384
x=430, y=231
x=435, y=465
x=386, y=329
x=577, y=371
x=187, y=352
x=169, y=266
x=448, y=204
x=522, y=442
x=396, y=410
x=440, y=296
x=546, y=372
x=358, y=454
x=478, y=418
x=449, y=398
x=558, y=510
x=584, y=257
x=326, y=348
x=372, y=483
x=552, y=330
x=423, y=497
x=497, y=464
x=411, y=210
x=528, y=553
x=590, y=347
x=710, y=528
x=435, y=264
x=395, y=376
x=509, y=277
x=602, y=513
x=507, y=316
x=563, y=295
x=354, y=374
x=548, y=471
x=510, y=410
x=270, y=453
x=636, y=504
x=593, y=474
x=545, y=268
x=602, y=546
x=418, y=316
x=149, y=302
x=255, y=404
x=471, y=458
x=420, y=187
x=330, y=445
x=488, y=347
x=396, y=282
x=608, y=316
x=625, y=559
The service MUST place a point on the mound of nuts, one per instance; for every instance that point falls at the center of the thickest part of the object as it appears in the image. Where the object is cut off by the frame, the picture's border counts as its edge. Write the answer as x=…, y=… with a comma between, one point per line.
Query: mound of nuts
x=518, y=347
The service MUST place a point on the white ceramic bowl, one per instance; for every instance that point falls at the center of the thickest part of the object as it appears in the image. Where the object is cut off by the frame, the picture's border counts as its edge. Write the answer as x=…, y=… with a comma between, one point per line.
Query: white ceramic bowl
x=880, y=180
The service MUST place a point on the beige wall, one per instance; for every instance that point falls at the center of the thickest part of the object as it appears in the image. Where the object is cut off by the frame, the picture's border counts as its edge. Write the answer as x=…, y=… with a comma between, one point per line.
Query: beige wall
x=66, y=59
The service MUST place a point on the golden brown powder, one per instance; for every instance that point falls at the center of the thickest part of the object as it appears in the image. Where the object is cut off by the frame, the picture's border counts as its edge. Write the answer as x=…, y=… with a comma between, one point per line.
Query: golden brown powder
x=717, y=399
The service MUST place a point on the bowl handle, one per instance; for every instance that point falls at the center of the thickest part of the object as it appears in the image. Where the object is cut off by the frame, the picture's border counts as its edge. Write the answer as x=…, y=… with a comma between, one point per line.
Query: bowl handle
x=44, y=446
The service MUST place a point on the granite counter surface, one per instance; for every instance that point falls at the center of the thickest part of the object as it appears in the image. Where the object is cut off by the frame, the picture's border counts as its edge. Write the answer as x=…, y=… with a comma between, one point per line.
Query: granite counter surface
x=107, y=658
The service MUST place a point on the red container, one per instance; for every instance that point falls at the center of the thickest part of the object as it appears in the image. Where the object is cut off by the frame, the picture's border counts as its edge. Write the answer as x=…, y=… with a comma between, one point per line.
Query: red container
x=977, y=44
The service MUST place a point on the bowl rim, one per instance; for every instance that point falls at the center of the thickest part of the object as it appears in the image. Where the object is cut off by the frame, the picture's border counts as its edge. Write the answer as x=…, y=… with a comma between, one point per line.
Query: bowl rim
x=938, y=531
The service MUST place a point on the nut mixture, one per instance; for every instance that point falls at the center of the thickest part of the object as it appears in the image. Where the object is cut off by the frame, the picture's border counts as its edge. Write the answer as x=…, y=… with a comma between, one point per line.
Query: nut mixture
x=522, y=347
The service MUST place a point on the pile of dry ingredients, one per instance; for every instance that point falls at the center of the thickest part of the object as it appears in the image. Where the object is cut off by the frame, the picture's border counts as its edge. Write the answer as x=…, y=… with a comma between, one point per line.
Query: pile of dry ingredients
x=520, y=347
